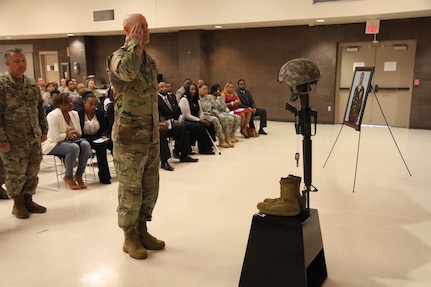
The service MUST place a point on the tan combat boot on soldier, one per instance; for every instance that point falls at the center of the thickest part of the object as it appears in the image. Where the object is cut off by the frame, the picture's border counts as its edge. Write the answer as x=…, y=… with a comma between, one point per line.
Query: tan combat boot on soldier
x=146, y=239
x=32, y=206
x=288, y=204
x=19, y=209
x=133, y=246
x=233, y=138
x=229, y=140
x=222, y=142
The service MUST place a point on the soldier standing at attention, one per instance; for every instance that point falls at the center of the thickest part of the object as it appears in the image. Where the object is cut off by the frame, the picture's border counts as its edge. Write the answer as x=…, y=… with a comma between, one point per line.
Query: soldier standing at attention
x=135, y=133
x=23, y=127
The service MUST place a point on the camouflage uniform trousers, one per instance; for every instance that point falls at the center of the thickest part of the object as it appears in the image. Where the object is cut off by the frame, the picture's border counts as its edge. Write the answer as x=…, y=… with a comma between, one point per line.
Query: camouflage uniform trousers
x=229, y=123
x=137, y=167
x=2, y=173
x=22, y=165
x=217, y=126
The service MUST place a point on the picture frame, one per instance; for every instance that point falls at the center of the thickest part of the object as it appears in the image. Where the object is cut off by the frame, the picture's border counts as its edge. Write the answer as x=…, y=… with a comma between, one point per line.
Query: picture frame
x=357, y=101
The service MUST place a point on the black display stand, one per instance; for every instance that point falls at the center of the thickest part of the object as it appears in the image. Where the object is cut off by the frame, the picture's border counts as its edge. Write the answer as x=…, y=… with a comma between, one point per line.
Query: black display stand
x=284, y=251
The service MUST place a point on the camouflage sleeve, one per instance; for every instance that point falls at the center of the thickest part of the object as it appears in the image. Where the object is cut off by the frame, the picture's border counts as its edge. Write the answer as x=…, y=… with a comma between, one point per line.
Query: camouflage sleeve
x=42, y=117
x=3, y=136
x=126, y=62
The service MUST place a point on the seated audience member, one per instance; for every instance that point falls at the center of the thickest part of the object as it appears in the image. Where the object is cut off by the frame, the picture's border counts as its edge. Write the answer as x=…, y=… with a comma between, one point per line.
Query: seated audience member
x=196, y=124
x=52, y=95
x=170, y=127
x=180, y=92
x=64, y=140
x=233, y=103
x=247, y=101
x=229, y=121
x=71, y=89
x=207, y=103
x=41, y=84
x=55, y=84
x=94, y=130
x=165, y=152
x=91, y=87
x=108, y=99
x=47, y=97
x=78, y=102
x=63, y=85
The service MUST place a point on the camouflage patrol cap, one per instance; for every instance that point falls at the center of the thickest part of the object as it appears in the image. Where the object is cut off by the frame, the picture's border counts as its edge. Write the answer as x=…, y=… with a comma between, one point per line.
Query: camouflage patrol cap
x=298, y=71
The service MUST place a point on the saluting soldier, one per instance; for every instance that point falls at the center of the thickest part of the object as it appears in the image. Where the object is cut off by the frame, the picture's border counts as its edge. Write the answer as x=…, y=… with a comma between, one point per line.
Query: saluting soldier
x=23, y=127
x=135, y=133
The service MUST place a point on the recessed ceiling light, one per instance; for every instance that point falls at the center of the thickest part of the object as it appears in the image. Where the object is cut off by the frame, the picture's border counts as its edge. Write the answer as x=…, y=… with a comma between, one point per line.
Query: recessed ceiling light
x=70, y=35
x=8, y=37
x=320, y=20
x=218, y=26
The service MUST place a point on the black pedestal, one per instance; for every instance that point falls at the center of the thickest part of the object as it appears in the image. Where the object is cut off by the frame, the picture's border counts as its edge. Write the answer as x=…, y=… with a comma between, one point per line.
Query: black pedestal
x=284, y=251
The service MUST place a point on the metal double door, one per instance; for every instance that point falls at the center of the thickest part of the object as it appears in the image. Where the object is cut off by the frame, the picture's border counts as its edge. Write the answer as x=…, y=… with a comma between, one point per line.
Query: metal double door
x=392, y=82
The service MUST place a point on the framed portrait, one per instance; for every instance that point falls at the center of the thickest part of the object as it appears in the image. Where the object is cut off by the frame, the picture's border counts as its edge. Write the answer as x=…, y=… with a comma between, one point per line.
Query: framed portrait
x=358, y=96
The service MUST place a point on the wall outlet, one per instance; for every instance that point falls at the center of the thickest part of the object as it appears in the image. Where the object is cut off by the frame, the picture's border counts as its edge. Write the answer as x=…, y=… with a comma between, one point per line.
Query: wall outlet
x=329, y=108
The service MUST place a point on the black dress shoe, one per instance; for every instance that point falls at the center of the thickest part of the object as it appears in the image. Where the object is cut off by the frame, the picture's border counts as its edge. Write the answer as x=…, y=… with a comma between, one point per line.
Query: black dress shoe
x=167, y=166
x=188, y=159
x=207, y=152
x=106, y=181
x=262, y=132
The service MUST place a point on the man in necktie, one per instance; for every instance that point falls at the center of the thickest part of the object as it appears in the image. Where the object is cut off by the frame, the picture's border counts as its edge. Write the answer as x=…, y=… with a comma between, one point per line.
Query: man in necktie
x=247, y=101
x=169, y=113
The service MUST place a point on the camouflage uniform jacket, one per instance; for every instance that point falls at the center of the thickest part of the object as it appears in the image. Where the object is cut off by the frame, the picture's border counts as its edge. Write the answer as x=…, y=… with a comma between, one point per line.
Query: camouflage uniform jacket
x=133, y=76
x=22, y=116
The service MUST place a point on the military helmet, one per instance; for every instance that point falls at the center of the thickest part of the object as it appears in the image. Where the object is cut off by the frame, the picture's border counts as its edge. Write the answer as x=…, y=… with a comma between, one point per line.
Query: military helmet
x=298, y=71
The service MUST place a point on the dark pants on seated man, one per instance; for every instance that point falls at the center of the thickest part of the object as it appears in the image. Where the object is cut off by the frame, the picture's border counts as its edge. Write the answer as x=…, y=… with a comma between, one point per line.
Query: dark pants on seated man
x=182, y=146
x=262, y=114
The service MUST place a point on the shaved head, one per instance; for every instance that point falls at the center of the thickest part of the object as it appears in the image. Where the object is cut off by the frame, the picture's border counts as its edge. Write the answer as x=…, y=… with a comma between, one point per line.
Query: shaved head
x=131, y=20
x=136, y=28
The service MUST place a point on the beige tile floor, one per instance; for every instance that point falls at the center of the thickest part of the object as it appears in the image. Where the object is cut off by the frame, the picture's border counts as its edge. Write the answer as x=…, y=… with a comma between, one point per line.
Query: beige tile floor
x=379, y=235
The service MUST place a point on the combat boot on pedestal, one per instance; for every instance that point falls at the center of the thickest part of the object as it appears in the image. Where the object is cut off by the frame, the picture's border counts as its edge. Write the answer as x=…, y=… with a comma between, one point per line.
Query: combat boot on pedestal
x=147, y=240
x=288, y=204
x=19, y=209
x=32, y=206
x=133, y=246
x=300, y=198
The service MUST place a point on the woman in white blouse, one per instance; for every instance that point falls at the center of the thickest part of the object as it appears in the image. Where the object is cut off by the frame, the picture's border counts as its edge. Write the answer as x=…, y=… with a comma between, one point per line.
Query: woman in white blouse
x=64, y=140
x=94, y=130
x=194, y=119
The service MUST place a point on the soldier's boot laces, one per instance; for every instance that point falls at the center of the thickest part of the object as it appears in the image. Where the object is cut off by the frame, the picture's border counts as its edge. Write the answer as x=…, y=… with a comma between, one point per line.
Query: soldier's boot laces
x=133, y=246
x=289, y=204
x=32, y=206
x=19, y=209
x=147, y=240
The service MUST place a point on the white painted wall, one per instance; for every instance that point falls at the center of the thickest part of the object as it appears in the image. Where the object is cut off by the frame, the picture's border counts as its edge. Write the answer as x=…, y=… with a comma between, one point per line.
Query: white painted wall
x=23, y=17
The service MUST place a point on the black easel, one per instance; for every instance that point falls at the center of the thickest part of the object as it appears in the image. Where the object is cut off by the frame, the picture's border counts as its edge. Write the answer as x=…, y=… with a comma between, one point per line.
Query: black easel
x=359, y=141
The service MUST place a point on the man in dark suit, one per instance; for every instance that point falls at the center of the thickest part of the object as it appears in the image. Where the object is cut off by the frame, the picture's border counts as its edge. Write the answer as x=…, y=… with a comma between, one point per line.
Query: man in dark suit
x=169, y=113
x=248, y=102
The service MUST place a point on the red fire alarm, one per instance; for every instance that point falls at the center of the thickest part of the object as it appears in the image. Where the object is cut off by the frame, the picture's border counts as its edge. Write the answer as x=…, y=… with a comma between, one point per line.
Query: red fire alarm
x=416, y=82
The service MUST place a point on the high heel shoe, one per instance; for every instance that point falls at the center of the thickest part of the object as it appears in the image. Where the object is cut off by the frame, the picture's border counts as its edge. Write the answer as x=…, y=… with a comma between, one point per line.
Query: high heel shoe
x=71, y=183
x=79, y=181
x=245, y=134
